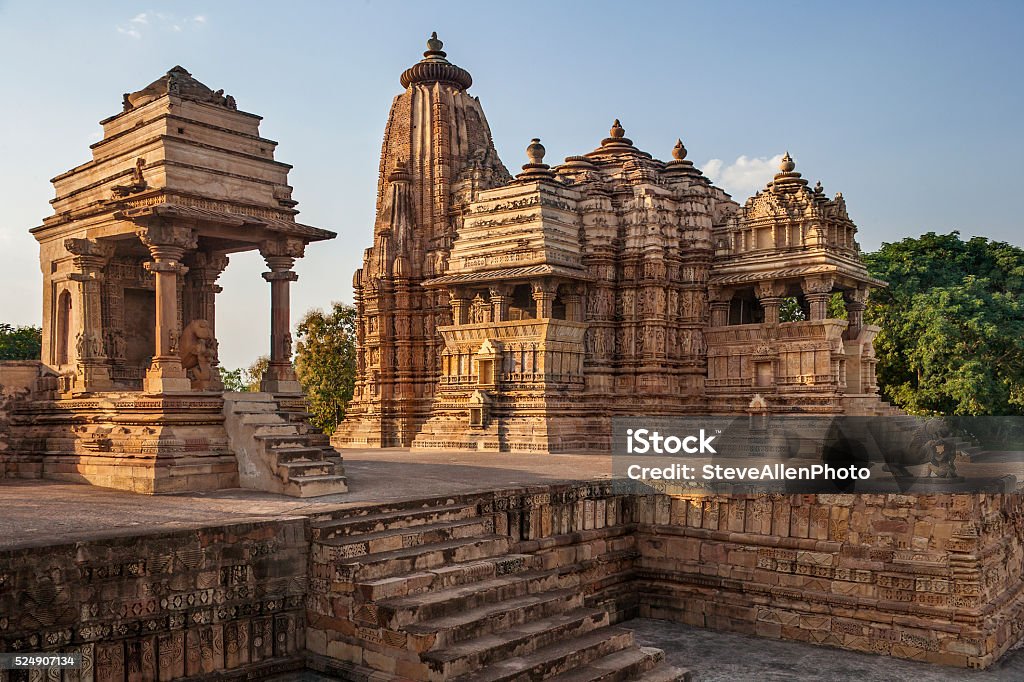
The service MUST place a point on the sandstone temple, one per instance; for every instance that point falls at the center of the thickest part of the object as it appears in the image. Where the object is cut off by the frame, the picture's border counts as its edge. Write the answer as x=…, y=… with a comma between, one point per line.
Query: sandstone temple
x=510, y=314
x=523, y=313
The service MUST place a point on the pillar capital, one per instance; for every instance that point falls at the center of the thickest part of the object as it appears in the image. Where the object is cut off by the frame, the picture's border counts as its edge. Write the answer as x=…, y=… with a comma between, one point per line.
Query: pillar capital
x=208, y=266
x=818, y=284
x=89, y=256
x=167, y=241
x=280, y=254
x=769, y=289
x=719, y=294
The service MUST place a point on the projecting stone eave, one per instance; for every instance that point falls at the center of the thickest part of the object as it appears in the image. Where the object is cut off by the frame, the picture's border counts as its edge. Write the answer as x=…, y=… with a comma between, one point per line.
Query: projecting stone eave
x=751, y=270
x=523, y=273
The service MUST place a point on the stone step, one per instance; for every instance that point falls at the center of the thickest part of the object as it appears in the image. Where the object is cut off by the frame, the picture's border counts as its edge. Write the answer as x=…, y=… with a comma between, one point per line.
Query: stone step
x=446, y=576
x=313, y=486
x=273, y=441
x=413, y=559
x=402, y=611
x=319, y=439
x=298, y=454
x=526, y=615
x=262, y=418
x=289, y=471
x=665, y=673
x=621, y=666
x=367, y=523
x=559, y=657
x=399, y=538
x=510, y=640
x=275, y=430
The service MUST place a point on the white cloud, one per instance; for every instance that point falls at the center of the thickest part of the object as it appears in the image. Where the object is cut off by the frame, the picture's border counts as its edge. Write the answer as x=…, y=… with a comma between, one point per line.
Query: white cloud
x=145, y=22
x=744, y=176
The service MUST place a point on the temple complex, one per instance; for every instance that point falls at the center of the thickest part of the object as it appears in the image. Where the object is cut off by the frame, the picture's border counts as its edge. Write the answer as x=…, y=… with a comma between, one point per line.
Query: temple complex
x=506, y=314
x=130, y=394
x=500, y=313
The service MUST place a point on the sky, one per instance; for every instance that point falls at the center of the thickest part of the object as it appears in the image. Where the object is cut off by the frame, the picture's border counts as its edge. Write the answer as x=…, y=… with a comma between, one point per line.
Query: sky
x=911, y=109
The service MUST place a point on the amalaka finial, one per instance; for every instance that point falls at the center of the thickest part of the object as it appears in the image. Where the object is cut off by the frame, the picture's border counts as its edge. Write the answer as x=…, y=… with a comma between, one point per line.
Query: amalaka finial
x=535, y=152
x=679, y=151
x=617, y=130
x=536, y=169
x=435, y=68
x=787, y=165
x=818, y=189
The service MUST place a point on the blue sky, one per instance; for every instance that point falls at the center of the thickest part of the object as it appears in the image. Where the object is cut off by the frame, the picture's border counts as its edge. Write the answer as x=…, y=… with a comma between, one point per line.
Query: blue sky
x=911, y=109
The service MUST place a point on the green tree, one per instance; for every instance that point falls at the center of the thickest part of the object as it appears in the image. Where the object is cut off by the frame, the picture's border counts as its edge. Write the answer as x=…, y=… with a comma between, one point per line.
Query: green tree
x=245, y=378
x=20, y=343
x=325, y=361
x=952, y=324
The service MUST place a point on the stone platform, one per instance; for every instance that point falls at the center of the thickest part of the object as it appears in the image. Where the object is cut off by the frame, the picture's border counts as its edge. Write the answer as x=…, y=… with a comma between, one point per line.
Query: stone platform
x=438, y=565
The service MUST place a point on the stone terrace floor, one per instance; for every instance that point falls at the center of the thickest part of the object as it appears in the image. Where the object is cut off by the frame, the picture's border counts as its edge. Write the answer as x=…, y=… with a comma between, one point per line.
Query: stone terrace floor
x=34, y=512
x=726, y=657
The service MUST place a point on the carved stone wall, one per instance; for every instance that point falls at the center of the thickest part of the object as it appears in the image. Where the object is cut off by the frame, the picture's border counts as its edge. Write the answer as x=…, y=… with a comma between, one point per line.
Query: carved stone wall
x=935, y=578
x=932, y=578
x=188, y=604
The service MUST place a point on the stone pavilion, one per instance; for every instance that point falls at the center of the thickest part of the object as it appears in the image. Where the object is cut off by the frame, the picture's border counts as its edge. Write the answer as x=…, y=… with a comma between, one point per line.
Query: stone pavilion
x=130, y=396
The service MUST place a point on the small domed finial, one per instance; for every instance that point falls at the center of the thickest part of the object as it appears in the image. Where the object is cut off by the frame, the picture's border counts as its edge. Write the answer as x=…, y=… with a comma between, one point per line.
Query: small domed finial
x=818, y=189
x=536, y=169
x=679, y=151
x=434, y=45
x=617, y=130
x=535, y=152
x=787, y=165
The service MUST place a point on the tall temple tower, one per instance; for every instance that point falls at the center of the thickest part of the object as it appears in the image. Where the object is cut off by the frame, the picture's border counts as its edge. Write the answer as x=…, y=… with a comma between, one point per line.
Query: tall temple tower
x=436, y=156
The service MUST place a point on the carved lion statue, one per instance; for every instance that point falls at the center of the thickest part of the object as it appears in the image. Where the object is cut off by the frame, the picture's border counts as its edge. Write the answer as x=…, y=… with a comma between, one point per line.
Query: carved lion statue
x=198, y=350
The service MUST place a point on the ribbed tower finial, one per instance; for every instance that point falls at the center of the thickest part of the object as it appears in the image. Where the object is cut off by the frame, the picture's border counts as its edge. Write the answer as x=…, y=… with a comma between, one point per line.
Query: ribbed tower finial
x=435, y=68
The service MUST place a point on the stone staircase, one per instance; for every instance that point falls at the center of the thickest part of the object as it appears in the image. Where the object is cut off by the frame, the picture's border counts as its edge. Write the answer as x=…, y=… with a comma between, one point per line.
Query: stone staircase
x=278, y=450
x=435, y=593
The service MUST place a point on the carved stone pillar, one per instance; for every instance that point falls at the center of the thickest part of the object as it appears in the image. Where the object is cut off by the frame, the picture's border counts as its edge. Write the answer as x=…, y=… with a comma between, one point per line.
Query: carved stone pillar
x=855, y=305
x=770, y=296
x=90, y=257
x=544, y=297
x=719, y=300
x=202, y=287
x=501, y=297
x=167, y=244
x=280, y=256
x=817, y=291
x=573, y=298
x=460, y=308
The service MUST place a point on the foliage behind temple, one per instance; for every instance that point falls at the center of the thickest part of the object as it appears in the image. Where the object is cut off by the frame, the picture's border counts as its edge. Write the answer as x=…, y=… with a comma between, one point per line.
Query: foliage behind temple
x=952, y=319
